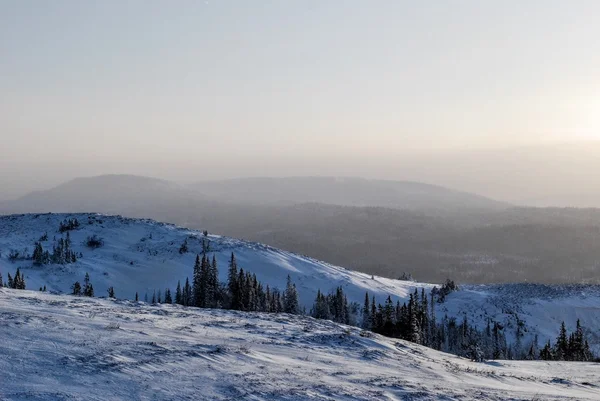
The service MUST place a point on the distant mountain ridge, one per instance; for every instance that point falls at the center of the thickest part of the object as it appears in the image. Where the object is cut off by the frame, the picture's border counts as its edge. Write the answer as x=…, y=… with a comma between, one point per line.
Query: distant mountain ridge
x=345, y=191
x=107, y=193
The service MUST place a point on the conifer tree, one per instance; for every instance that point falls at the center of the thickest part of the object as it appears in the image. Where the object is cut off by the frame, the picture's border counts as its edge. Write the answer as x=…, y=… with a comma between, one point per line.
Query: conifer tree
x=562, y=344
x=197, y=282
x=212, y=290
x=242, y=288
x=111, y=292
x=88, y=289
x=232, y=283
x=188, y=294
x=366, y=313
x=76, y=287
x=136, y=297
x=290, y=299
x=178, y=296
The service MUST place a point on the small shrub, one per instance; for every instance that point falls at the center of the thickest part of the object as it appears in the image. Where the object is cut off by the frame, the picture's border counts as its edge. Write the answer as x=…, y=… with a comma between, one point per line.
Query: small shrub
x=94, y=242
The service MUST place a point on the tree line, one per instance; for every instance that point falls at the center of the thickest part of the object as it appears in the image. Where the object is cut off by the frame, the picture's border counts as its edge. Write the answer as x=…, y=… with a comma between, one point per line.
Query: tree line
x=415, y=321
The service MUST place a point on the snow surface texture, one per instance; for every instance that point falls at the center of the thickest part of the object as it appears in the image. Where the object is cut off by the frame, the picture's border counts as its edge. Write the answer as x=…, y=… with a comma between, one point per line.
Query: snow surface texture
x=143, y=256
x=61, y=347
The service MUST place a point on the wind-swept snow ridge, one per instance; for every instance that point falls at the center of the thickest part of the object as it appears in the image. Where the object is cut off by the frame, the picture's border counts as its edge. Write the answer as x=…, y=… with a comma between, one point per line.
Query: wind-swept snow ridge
x=60, y=347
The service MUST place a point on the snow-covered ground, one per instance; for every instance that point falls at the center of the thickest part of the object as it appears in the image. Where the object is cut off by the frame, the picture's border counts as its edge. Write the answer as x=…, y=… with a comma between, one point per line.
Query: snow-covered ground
x=60, y=347
x=143, y=256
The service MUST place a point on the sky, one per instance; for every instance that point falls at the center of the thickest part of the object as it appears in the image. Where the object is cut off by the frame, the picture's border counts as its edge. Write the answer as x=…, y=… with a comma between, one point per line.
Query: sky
x=269, y=87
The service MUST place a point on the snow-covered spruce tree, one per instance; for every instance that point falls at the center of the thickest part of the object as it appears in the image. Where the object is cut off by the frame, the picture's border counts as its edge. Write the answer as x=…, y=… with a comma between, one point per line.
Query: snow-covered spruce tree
x=212, y=285
x=366, y=313
x=201, y=269
x=242, y=288
x=291, y=303
x=184, y=247
x=76, y=289
x=19, y=280
x=111, y=292
x=188, y=296
x=1, y=282
x=546, y=353
x=232, y=283
x=154, y=297
x=320, y=309
x=561, y=351
x=88, y=288
x=168, y=298
x=38, y=254
x=178, y=296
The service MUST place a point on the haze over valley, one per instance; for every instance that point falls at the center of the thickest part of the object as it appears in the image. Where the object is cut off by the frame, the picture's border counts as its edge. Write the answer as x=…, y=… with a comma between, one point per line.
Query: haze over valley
x=306, y=200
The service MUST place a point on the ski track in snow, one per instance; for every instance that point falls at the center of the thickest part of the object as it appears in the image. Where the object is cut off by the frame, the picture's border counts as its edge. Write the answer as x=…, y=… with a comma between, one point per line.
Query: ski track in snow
x=60, y=347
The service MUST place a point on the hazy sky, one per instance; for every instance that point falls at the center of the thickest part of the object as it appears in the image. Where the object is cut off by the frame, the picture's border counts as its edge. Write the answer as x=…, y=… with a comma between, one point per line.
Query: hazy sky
x=276, y=86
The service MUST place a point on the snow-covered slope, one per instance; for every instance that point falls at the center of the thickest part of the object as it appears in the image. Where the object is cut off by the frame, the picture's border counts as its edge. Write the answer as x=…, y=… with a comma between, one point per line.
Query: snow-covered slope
x=69, y=348
x=143, y=256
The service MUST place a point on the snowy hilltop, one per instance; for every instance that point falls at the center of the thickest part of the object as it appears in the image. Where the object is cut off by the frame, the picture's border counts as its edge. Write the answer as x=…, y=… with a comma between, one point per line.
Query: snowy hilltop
x=59, y=347
x=144, y=257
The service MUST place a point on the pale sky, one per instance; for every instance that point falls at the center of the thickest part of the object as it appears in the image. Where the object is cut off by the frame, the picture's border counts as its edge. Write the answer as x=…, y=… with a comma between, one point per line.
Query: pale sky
x=222, y=81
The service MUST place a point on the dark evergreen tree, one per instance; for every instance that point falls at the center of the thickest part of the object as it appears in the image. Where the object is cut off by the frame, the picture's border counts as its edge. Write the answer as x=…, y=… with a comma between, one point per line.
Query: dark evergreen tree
x=136, y=297
x=76, y=288
x=212, y=284
x=198, y=292
x=184, y=247
x=88, y=289
x=366, y=313
x=546, y=353
x=233, y=283
x=188, y=296
x=561, y=352
x=168, y=298
x=111, y=292
x=178, y=295
x=290, y=299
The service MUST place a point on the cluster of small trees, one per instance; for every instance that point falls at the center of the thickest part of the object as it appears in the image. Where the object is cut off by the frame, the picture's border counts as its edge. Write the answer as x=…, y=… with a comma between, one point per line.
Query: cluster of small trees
x=568, y=347
x=62, y=253
x=415, y=321
x=87, y=290
x=242, y=291
x=412, y=322
x=16, y=283
x=68, y=225
x=333, y=306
